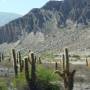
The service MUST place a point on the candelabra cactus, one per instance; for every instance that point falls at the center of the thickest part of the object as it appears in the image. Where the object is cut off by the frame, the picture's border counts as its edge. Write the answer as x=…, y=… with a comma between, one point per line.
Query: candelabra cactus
x=67, y=76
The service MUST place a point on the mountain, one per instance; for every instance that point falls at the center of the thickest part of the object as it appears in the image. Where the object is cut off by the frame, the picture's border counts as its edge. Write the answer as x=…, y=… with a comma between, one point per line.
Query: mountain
x=7, y=17
x=55, y=25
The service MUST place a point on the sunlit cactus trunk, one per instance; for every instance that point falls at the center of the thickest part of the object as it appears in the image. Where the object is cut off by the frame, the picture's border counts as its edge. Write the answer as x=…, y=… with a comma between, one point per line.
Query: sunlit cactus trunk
x=15, y=62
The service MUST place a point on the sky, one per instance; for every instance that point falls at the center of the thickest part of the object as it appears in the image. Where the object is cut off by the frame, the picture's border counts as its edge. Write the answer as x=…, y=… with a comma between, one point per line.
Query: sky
x=20, y=6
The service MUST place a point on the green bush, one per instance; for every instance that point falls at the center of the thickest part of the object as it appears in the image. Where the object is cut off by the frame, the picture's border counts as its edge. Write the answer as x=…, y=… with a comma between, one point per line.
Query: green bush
x=44, y=77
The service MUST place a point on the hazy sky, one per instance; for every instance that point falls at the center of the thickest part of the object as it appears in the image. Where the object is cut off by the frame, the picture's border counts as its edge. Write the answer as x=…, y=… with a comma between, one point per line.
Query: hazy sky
x=20, y=6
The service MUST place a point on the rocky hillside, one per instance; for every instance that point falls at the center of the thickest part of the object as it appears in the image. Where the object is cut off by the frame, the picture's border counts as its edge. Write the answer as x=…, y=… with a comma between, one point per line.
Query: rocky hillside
x=57, y=22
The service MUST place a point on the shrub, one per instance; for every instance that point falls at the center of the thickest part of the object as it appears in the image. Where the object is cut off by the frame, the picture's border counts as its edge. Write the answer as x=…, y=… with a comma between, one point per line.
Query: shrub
x=44, y=77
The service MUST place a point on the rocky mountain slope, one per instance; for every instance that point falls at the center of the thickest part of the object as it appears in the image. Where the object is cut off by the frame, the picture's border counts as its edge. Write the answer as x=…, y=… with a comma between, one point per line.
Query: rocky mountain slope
x=7, y=17
x=58, y=23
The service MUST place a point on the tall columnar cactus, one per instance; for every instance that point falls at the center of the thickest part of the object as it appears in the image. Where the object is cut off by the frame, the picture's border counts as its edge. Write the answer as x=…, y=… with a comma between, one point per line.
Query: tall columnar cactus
x=17, y=58
x=15, y=62
x=2, y=56
x=86, y=62
x=63, y=58
x=27, y=70
x=67, y=60
x=40, y=62
x=20, y=61
x=31, y=80
x=67, y=76
x=22, y=65
x=56, y=66
x=33, y=68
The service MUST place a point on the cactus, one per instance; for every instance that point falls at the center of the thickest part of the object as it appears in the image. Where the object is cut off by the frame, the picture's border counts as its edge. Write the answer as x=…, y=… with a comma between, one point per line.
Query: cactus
x=33, y=68
x=27, y=70
x=67, y=76
x=40, y=62
x=86, y=62
x=67, y=60
x=56, y=66
x=17, y=58
x=22, y=65
x=31, y=81
x=15, y=62
x=63, y=62
x=20, y=61
x=2, y=56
